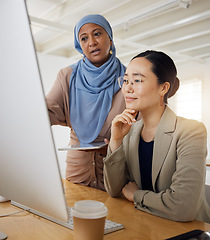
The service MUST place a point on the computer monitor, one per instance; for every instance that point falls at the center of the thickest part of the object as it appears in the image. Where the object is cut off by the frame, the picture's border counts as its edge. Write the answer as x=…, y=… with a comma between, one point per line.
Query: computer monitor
x=29, y=169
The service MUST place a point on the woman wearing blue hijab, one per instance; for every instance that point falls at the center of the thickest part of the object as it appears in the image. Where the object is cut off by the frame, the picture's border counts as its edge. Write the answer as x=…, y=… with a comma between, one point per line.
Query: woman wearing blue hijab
x=86, y=97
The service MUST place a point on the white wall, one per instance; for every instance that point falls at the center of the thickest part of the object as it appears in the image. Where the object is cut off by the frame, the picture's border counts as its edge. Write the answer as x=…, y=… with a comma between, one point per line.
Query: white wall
x=50, y=65
x=206, y=103
x=200, y=71
x=208, y=175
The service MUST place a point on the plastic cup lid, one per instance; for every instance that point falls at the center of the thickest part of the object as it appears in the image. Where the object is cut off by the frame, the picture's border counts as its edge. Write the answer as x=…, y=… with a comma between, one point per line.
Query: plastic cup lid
x=89, y=209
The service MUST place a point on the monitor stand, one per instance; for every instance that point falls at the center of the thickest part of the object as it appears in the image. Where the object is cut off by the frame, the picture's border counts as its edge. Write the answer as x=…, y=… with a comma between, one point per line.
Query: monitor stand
x=3, y=236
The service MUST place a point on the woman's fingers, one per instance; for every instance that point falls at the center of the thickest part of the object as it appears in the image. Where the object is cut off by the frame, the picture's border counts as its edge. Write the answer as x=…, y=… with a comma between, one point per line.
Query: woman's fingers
x=126, y=117
x=121, y=124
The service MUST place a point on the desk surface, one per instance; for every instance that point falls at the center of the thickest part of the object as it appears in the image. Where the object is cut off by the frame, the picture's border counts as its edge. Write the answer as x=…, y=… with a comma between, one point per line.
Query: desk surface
x=138, y=225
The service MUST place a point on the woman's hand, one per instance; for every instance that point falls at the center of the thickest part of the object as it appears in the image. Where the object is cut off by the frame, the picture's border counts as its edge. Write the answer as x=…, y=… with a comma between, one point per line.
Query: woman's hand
x=129, y=190
x=121, y=125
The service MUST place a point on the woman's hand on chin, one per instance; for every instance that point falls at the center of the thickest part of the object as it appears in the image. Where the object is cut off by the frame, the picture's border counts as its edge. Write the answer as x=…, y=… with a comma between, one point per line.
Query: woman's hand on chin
x=121, y=125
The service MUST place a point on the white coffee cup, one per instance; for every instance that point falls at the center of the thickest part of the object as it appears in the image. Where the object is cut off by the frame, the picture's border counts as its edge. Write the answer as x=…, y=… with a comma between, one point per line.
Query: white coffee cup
x=89, y=220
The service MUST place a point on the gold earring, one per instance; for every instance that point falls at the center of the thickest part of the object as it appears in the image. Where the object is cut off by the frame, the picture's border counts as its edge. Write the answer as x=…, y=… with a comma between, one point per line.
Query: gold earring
x=83, y=56
x=110, y=51
x=161, y=100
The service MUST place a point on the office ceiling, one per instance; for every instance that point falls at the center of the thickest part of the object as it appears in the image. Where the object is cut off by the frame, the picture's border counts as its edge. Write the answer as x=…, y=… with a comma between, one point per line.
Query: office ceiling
x=180, y=28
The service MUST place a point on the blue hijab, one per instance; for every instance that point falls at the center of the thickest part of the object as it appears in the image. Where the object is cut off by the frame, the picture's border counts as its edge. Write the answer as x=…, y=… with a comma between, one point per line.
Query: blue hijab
x=92, y=88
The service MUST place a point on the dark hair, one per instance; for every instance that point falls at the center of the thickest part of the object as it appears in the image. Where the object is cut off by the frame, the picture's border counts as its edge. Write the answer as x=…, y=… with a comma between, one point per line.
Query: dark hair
x=164, y=68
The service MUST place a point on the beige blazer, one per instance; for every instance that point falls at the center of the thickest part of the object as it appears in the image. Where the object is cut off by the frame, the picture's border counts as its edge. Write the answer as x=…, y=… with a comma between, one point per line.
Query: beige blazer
x=178, y=169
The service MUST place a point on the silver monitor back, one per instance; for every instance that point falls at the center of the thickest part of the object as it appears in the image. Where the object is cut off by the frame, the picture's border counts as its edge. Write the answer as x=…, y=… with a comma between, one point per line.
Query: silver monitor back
x=29, y=170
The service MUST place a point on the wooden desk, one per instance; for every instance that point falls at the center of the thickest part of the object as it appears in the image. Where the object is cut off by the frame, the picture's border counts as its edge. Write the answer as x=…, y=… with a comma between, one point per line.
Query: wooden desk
x=138, y=225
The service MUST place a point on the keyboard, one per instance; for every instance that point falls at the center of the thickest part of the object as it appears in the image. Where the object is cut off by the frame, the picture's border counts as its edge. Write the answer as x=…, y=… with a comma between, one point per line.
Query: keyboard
x=110, y=226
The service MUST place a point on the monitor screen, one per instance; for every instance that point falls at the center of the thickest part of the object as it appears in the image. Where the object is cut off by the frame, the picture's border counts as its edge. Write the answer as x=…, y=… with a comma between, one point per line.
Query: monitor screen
x=29, y=170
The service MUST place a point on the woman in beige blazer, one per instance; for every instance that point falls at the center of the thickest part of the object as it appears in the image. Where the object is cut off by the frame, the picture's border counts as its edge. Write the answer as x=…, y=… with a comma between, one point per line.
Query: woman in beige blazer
x=159, y=162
